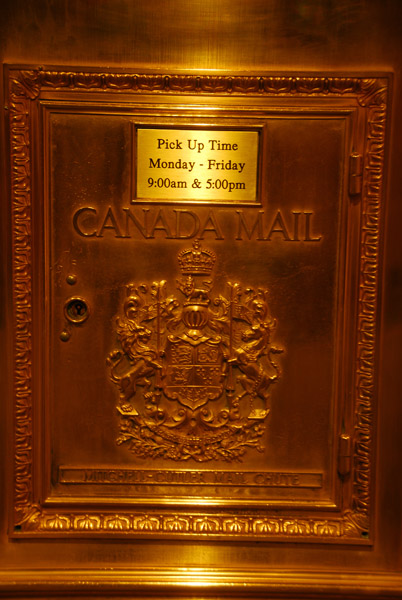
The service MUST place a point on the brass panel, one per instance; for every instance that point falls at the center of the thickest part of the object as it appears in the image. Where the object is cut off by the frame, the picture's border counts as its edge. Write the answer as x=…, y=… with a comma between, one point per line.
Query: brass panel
x=201, y=371
x=220, y=43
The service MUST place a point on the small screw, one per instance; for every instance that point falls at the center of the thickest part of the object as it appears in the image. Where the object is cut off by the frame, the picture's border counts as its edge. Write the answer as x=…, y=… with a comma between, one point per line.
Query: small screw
x=65, y=336
x=71, y=279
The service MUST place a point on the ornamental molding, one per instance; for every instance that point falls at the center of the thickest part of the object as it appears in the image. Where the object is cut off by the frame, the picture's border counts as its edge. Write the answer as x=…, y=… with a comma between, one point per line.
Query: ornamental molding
x=368, y=90
x=25, y=89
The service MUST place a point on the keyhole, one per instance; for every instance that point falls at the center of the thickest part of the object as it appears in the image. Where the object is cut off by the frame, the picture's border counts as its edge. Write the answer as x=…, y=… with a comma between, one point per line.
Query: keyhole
x=76, y=310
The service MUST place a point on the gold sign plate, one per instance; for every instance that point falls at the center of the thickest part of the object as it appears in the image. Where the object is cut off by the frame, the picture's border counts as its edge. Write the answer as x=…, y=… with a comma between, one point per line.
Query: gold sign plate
x=196, y=165
x=194, y=362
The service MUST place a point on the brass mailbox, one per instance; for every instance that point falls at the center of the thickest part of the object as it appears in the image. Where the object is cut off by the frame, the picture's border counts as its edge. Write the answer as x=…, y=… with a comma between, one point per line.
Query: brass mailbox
x=195, y=281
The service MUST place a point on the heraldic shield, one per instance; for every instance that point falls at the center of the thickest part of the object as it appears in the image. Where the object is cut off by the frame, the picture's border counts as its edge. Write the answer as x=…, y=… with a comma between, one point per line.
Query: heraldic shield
x=194, y=374
x=194, y=371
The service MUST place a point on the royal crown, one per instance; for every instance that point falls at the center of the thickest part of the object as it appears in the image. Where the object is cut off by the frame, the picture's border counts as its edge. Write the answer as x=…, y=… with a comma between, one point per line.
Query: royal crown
x=196, y=260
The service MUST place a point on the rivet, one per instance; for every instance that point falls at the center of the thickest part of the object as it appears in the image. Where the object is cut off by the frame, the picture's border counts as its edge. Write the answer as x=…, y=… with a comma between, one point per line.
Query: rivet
x=65, y=336
x=71, y=279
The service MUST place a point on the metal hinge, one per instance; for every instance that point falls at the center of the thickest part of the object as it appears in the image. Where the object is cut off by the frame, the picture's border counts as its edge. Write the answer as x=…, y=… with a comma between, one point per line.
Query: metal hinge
x=344, y=455
x=355, y=174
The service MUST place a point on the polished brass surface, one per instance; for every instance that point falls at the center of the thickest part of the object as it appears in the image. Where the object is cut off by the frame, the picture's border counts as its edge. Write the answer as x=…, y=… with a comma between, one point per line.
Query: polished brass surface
x=115, y=483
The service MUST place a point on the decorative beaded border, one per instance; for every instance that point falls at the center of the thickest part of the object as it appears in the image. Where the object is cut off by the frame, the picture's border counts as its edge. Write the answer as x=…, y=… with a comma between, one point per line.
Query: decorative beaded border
x=25, y=87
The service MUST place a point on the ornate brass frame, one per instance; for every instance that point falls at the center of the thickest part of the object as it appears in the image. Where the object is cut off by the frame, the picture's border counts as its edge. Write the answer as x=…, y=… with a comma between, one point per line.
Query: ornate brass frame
x=30, y=518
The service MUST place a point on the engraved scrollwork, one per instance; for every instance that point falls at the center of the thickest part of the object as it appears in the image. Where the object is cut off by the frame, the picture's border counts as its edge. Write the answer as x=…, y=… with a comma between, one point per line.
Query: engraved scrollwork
x=23, y=90
x=369, y=91
x=187, y=525
x=372, y=92
x=29, y=518
x=25, y=84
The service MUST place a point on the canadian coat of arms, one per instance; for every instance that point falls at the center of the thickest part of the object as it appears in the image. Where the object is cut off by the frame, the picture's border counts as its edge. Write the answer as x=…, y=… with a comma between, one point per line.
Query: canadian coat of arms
x=194, y=374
